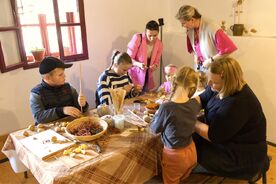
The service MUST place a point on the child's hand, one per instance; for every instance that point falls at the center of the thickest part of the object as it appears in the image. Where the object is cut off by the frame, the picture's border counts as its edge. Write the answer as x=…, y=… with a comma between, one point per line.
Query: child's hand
x=138, y=88
x=82, y=100
x=72, y=111
x=128, y=88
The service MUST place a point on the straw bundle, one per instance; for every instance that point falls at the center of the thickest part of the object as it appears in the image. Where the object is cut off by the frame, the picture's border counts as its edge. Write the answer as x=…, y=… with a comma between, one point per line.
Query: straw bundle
x=118, y=96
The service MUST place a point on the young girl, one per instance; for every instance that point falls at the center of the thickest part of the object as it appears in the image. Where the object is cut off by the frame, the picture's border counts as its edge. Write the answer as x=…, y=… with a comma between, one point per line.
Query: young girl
x=170, y=71
x=202, y=83
x=116, y=76
x=175, y=120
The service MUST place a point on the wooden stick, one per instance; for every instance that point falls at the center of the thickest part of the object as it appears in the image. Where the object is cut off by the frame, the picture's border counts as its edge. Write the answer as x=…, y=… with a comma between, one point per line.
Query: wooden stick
x=80, y=81
x=137, y=116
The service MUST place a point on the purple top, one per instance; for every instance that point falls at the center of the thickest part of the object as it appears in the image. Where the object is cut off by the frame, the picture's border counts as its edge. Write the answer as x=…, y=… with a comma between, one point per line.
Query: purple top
x=167, y=86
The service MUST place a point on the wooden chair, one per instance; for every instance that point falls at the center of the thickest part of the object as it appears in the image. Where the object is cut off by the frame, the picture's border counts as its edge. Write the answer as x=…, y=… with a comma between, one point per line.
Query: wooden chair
x=262, y=173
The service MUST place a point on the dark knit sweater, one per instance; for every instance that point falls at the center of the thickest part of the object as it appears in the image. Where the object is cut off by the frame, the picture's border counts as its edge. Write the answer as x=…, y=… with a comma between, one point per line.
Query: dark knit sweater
x=237, y=131
x=47, y=102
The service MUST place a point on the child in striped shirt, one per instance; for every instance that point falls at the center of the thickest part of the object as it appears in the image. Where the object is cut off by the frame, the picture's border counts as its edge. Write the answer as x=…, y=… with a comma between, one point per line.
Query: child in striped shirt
x=116, y=76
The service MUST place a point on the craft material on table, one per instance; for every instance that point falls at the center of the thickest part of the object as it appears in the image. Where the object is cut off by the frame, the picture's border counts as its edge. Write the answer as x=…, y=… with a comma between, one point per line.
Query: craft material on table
x=118, y=97
x=40, y=144
x=135, y=119
x=86, y=128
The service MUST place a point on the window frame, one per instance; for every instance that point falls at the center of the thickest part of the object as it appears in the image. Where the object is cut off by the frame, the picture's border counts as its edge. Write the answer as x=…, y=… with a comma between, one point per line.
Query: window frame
x=18, y=30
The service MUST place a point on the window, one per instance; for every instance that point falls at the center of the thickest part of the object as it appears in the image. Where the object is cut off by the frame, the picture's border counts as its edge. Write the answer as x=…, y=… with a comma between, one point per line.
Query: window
x=49, y=27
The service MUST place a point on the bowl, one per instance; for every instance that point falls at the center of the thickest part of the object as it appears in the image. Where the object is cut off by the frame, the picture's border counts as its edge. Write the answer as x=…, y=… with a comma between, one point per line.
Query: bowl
x=152, y=107
x=82, y=122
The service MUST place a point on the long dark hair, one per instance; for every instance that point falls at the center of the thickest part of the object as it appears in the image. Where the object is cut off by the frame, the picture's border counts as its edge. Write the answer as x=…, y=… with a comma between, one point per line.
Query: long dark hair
x=152, y=25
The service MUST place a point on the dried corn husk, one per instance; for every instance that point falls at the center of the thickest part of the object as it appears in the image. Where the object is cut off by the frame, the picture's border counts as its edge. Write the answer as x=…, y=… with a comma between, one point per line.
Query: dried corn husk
x=118, y=97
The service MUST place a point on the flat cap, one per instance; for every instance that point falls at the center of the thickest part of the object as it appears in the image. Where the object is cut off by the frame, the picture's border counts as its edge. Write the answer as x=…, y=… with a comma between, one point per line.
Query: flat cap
x=50, y=63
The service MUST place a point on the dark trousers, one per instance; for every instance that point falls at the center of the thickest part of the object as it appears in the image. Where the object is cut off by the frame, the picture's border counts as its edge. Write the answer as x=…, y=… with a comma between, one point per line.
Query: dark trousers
x=145, y=87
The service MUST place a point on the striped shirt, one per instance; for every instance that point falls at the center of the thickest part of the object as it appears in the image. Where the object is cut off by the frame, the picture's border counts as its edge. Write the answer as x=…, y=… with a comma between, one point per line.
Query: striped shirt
x=110, y=80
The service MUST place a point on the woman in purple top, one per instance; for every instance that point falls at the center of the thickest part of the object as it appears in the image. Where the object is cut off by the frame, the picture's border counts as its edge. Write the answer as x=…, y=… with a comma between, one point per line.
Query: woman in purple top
x=207, y=41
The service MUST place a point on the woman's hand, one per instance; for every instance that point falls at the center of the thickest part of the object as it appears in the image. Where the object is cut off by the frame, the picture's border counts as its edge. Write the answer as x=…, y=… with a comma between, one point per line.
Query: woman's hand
x=143, y=66
x=207, y=63
x=82, y=100
x=153, y=67
x=196, y=60
x=202, y=130
x=139, y=64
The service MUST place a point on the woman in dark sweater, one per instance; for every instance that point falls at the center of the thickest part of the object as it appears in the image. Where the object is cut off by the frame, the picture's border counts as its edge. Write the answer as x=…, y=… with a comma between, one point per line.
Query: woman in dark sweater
x=232, y=136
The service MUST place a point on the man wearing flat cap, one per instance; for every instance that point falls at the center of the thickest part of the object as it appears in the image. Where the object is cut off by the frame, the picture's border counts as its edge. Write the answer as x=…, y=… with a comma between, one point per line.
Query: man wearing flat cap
x=53, y=99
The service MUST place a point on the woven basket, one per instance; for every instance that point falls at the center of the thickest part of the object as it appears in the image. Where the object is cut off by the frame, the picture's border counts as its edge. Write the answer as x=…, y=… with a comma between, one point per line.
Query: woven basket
x=77, y=122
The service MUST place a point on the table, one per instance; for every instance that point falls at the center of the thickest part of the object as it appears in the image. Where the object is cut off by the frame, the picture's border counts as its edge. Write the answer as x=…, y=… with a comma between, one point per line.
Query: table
x=128, y=157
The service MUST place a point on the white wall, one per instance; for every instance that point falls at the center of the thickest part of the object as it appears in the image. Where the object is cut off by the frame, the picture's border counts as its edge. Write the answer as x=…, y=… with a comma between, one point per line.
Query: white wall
x=256, y=54
x=110, y=25
x=257, y=59
x=256, y=14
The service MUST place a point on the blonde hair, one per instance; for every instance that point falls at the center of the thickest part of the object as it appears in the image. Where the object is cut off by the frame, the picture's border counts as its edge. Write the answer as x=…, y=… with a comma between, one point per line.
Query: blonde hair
x=202, y=79
x=169, y=66
x=231, y=75
x=187, y=12
x=187, y=78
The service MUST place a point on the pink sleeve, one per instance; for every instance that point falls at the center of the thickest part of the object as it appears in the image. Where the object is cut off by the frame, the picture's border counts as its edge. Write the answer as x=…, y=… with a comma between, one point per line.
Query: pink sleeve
x=223, y=43
x=159, y=53
x=189, y=45
x=133, y=45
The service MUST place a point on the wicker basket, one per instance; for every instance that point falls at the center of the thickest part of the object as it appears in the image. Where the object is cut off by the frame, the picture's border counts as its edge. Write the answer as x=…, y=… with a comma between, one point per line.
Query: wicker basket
x=77, y=122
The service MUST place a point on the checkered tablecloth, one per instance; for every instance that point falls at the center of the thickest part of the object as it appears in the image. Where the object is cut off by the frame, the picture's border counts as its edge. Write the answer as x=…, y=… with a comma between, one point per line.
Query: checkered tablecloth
x=127, y=157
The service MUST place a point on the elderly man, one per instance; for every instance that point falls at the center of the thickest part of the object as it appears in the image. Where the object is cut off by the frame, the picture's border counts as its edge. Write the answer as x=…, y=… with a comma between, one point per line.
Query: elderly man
x=53, y=99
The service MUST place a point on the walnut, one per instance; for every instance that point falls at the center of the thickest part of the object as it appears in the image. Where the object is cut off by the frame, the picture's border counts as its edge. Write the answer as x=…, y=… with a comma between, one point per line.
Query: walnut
x=147, y=118
x=26, y=133
x=31, y=127
x=54, y=139
x=40, y=129
x=57, y=129
x=40, y=126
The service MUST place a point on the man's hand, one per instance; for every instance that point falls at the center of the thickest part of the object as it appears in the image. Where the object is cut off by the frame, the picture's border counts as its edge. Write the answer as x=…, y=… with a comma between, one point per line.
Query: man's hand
x=82, y=100
x=72, y=111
